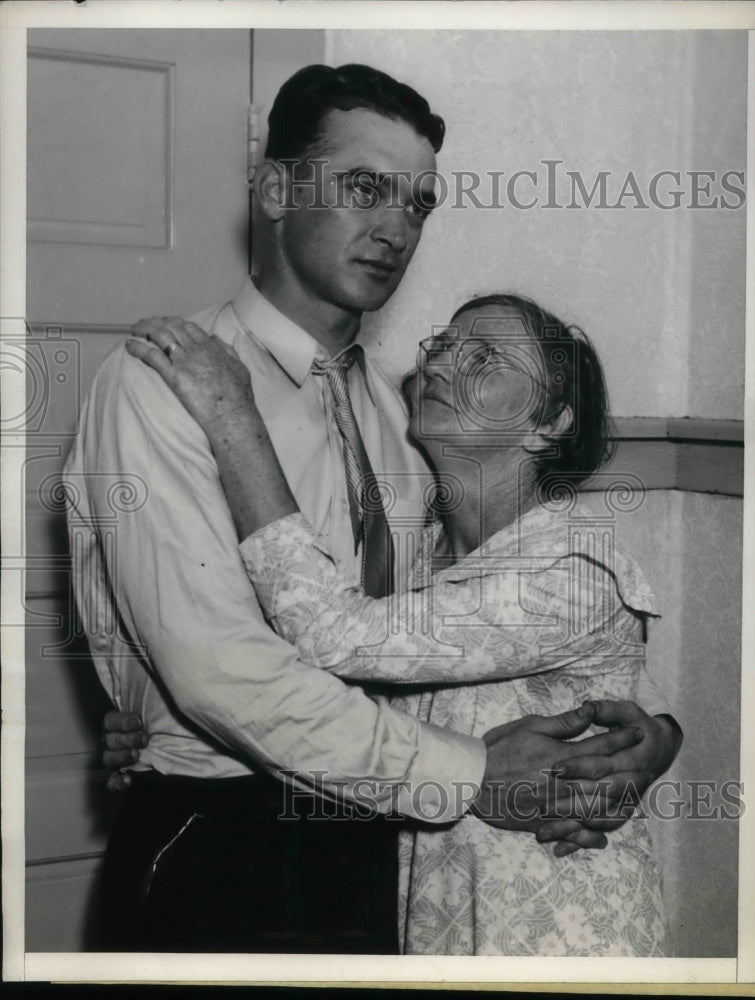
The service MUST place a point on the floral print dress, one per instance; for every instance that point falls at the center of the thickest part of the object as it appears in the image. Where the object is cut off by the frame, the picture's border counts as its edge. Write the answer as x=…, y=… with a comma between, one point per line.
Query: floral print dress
x=541, y=617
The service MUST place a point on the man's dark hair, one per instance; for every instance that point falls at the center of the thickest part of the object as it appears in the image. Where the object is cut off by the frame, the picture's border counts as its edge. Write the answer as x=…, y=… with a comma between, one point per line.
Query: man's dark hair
x=573, y=377
x=297, y=119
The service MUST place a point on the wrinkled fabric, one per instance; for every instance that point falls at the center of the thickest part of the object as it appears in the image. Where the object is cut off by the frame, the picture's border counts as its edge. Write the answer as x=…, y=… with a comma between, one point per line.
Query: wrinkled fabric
x=174, y=627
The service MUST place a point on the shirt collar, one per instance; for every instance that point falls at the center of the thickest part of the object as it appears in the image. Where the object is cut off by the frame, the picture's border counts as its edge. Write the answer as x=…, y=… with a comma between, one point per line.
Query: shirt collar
x=292, y=347
x=361, y=358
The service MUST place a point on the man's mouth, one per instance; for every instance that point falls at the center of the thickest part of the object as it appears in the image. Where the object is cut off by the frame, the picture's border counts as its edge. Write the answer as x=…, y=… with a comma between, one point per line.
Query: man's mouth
x=382, y=270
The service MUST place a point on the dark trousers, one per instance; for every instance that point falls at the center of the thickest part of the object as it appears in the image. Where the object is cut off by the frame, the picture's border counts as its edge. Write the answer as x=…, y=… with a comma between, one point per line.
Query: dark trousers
x=244, y=865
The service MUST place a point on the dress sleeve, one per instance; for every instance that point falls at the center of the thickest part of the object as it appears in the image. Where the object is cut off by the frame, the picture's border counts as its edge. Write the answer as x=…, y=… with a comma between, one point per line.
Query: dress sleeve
x=181, y=589
x=495, y=624
x=649, y=695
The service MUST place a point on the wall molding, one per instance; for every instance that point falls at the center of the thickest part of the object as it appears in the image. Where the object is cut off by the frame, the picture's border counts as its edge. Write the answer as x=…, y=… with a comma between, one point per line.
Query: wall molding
x=65, y=859
x=679, y=429
x=58, y=328
x=690, y=454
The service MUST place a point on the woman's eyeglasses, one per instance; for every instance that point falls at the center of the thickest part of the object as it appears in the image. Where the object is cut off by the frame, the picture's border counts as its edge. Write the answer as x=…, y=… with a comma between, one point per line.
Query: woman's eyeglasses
x=471, y=355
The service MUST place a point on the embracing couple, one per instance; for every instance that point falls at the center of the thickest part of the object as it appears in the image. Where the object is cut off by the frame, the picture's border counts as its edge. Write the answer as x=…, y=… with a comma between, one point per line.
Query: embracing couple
x=337, y=594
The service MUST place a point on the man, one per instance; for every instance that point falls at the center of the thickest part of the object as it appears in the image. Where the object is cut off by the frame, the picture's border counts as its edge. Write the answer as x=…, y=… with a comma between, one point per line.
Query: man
x=200, y=860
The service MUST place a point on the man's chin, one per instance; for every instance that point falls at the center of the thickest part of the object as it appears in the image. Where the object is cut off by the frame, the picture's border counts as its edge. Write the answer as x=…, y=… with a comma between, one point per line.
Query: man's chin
x=372, y=295
x=359, y=303
x=371, y=303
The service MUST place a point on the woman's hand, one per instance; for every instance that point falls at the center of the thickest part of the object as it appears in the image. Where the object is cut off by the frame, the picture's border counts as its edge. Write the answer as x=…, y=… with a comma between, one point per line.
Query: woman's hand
x=207, y=375
x=215, y=387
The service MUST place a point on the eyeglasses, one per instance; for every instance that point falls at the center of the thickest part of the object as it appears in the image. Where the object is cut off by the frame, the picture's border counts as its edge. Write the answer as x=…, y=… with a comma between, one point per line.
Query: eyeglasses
x=470, y=355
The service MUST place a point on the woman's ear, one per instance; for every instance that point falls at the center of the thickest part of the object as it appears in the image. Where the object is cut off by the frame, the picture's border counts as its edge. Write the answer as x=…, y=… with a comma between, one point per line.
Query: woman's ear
x=270, y=187
x=561, y=424
x=543, y=436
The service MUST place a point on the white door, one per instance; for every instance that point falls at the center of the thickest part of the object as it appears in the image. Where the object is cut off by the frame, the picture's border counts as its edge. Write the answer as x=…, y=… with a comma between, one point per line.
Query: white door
x=137, y=205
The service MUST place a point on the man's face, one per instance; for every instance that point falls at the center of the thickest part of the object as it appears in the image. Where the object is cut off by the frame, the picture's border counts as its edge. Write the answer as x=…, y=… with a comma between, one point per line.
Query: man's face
x=377, y=178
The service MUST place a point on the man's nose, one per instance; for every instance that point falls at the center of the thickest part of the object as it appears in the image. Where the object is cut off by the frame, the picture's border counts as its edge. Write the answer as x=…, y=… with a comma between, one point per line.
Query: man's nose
x=390, y=229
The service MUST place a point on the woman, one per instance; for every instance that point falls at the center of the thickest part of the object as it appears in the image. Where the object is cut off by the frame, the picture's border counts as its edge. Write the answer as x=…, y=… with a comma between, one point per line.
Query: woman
x=510, y=611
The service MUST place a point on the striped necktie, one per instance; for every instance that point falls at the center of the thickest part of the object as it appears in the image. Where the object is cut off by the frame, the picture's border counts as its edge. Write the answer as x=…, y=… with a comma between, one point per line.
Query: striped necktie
x=368, y=520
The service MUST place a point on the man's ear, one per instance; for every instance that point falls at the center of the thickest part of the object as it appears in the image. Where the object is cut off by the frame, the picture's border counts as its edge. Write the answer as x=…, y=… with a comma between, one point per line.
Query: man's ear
x=270, y=186
x=543, y=437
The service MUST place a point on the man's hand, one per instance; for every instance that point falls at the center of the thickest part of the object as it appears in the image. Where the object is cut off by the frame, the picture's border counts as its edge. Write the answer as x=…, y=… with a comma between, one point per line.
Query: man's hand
x=124, y=737
x=521, y=782
x=616, y=784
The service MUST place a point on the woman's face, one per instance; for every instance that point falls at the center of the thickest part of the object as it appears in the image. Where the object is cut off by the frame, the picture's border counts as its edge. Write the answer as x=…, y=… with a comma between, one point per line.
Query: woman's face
x=481, y=381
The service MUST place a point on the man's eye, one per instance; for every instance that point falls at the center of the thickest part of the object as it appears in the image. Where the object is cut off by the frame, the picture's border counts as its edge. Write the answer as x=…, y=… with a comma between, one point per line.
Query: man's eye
x=417, y=210
x=363, y=184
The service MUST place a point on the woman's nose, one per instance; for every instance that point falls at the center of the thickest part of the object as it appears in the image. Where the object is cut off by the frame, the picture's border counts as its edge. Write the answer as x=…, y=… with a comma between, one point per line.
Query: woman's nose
x=440, y=358
x=436, y=369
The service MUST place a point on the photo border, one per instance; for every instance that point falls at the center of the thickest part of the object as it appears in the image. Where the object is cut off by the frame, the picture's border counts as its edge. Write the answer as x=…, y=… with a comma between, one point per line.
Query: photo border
x=730, y=976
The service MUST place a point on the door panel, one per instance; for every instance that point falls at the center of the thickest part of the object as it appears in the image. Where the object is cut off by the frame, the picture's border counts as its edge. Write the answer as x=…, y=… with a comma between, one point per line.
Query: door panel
x=159, y=144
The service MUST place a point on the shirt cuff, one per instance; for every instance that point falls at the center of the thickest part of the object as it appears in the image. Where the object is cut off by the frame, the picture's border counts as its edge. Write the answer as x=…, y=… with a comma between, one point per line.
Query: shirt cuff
x=650, y=698
x=444, y=778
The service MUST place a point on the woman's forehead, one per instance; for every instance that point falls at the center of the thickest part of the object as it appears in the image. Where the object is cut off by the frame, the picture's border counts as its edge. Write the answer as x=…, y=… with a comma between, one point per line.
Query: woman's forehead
x=492, y=321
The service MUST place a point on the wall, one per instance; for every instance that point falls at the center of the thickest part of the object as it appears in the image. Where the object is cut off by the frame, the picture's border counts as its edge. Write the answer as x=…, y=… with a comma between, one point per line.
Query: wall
x=662, y=295
x=689, y=545
x=660, y=292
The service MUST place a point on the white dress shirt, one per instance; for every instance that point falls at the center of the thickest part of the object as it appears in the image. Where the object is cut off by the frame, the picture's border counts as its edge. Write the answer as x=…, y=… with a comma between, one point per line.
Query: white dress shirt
x=175, y=630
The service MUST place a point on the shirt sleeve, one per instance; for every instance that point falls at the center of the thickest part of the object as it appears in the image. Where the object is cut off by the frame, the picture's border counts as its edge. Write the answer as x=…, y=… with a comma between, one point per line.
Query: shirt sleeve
x=484, y=626
x=181, y=589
